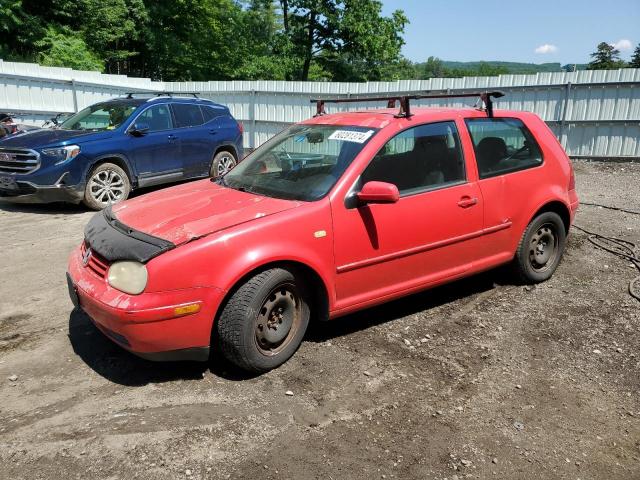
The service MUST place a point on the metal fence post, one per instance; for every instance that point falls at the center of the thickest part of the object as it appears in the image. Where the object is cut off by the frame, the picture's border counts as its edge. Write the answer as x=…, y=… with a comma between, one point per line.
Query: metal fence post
x=563, y=119
x=74, y=90
x=252, y=119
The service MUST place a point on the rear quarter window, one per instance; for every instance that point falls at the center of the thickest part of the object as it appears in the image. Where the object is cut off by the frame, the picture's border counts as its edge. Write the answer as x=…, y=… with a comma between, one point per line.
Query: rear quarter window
x=209, y=113
x=503, y=145
x=187, y=115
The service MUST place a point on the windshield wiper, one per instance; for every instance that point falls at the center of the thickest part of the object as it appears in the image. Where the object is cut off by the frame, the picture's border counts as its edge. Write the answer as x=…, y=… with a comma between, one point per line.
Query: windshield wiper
x=221, y=181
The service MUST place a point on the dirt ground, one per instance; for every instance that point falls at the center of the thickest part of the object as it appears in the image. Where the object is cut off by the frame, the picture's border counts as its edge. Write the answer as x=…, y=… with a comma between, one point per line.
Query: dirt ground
x=477, y=379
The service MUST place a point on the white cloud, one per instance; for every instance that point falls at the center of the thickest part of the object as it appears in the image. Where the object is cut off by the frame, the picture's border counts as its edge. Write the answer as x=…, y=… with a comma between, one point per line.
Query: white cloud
x=546, y=48
x=623, y=45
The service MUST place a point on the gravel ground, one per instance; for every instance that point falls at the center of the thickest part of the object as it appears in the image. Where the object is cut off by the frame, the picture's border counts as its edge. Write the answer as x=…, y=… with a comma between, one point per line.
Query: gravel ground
x=477, y=379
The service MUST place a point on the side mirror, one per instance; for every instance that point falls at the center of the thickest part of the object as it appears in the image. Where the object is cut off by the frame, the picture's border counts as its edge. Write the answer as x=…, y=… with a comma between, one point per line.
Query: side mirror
x=378, y=192
x=139, y=129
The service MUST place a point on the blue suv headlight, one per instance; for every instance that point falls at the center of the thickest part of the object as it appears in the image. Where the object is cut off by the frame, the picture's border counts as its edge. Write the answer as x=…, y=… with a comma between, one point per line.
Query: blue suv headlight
x=62, y=154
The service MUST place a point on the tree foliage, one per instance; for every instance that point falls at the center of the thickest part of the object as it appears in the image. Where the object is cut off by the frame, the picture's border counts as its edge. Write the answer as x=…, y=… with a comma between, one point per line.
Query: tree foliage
x=436, y=68
x=330, y=40
x=635, y=59
x=63, y=48
x=209, y=39
x=606, y=57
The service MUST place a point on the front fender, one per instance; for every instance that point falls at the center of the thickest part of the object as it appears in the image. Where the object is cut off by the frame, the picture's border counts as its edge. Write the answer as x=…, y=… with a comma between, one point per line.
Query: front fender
x=92, y=159
x=302, y=235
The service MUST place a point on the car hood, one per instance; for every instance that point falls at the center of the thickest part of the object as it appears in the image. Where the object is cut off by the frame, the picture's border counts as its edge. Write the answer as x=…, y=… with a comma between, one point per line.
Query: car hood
x=193, y=210
x=49, y=136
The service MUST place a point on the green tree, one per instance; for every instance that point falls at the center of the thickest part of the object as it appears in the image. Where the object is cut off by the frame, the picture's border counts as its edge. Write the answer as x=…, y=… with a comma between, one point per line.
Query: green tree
x=19, y=30
x=344, y=37
x=432, y=68
x=265, y=50
x=606, y=57
x=487, y=70
x=193, y=40
x=112, y=27
x=64, y=48
x=210, y=39
x=635, y=59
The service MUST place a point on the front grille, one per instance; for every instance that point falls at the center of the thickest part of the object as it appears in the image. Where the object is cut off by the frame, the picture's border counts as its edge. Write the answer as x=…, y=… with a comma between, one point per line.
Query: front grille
x=18, y=160
x=95, y=263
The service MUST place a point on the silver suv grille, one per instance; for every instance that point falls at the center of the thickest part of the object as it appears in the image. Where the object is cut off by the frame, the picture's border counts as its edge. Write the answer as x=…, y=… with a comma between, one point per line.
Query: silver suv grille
x=18, y=160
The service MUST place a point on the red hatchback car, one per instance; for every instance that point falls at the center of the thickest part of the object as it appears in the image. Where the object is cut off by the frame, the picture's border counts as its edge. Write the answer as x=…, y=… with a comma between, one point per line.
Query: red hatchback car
x=333, y=215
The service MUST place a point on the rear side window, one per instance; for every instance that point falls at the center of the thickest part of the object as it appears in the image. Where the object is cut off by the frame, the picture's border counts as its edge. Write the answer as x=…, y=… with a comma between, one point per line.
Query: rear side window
x=187, y=115
x=502, y=145
x=156, y=118
x=419, y=158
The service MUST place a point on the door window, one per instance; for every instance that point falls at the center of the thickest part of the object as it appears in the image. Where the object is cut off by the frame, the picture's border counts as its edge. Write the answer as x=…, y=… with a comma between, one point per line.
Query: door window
x=157, y=118
x=502, y=145
x=420, y=158
x=187, y=115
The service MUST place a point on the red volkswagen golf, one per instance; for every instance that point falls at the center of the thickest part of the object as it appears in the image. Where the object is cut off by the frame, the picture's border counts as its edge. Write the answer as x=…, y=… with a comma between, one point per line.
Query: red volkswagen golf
x=333, y=215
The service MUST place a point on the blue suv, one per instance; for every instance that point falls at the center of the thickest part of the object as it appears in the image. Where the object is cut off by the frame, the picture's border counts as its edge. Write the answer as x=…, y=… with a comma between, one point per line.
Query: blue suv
x=101, y=153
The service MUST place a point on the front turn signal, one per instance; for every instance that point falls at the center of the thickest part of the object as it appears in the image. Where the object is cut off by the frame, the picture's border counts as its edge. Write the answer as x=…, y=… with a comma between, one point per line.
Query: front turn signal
x=186, y=309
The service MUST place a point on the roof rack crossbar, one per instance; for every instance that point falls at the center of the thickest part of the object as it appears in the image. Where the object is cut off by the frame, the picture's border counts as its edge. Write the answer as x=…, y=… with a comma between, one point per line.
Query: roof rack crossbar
x=160, y=94
x=405, y=101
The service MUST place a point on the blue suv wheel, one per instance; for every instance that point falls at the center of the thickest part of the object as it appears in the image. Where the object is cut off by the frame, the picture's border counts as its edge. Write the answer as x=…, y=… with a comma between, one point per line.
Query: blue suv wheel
x=107, y=184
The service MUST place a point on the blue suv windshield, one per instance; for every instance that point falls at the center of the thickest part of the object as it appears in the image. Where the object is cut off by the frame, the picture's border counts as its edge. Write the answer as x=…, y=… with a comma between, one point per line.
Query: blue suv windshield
x=101, y=116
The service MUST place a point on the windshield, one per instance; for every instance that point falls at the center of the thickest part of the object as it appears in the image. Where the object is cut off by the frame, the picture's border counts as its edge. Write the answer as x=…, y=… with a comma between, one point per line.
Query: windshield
x=301, y=163
x=101, y=116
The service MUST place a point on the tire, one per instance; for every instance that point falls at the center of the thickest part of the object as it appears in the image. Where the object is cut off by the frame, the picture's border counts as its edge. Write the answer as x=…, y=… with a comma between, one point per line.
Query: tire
x=107, y=184
x=263, y=323
x=223, y=161
x=540, y=249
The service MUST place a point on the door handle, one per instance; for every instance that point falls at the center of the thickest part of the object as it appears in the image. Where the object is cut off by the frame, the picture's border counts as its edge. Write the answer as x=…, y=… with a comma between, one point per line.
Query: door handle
x=466, y=202
x=213, y=131
x=171, y=137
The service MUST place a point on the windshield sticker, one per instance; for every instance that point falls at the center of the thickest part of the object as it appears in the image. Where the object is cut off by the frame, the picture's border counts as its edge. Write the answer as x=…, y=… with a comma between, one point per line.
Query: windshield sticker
x=351, y=136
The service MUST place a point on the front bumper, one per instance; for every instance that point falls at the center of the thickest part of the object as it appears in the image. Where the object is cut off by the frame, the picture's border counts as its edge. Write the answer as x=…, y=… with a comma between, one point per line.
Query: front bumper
x=27, y=192
x=145, y=324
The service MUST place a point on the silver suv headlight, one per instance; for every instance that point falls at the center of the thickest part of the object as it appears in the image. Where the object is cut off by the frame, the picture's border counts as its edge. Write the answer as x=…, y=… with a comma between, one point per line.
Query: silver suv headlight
x=128, y=277
x=62, y=154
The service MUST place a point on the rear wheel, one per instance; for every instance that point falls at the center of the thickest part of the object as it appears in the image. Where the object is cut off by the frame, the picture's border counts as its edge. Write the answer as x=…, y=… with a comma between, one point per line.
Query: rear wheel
x=222, y=162
x=107, y=184
x=264, y=321
x=540, y=249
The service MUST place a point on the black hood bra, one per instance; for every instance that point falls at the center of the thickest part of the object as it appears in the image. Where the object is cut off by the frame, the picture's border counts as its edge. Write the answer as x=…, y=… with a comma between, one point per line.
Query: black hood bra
x=115, y=241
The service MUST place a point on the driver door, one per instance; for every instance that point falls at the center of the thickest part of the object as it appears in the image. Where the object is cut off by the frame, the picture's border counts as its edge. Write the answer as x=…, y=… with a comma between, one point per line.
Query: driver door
x=427, y=236
x=156, y=153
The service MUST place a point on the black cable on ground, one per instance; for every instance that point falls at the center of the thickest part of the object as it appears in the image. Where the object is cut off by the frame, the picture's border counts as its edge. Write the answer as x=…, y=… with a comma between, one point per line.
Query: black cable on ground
x=620, y=248
x=610, y=208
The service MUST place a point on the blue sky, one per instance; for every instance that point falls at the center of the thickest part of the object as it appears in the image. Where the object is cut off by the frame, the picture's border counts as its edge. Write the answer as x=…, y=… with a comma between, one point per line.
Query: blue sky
x=564, y=31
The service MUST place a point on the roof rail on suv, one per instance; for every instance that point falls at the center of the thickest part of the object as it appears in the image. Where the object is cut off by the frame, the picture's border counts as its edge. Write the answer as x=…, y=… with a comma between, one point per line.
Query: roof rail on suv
x=161, y=94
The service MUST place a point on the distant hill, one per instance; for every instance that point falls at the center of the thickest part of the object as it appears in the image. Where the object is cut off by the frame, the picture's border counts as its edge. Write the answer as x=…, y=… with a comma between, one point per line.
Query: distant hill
x=513, y=67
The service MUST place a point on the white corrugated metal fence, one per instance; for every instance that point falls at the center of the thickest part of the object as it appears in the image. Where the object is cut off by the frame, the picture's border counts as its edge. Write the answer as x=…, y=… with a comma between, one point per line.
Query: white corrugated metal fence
x=593, y=113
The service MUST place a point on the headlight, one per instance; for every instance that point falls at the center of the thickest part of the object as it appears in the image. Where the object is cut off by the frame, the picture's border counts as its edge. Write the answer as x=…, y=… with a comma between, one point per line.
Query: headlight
x=128, y=277
x=62, y=154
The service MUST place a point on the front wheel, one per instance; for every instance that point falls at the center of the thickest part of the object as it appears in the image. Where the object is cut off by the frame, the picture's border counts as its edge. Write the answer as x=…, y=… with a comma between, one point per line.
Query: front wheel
x=222, y=162
x=540, y=249
x=107, y=184
x=264, y=321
